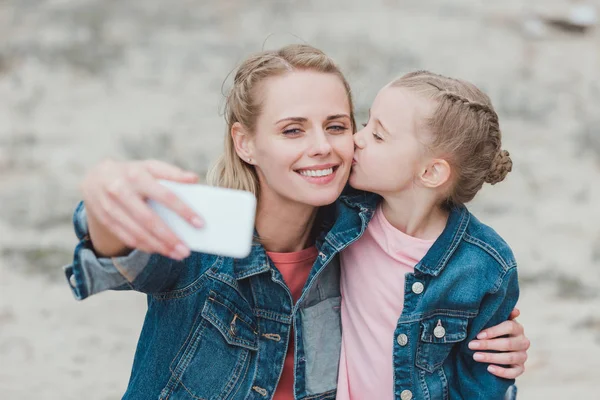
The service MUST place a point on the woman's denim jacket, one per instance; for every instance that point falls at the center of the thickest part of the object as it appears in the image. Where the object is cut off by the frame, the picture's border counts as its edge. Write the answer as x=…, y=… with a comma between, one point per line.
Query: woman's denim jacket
x=219, y=328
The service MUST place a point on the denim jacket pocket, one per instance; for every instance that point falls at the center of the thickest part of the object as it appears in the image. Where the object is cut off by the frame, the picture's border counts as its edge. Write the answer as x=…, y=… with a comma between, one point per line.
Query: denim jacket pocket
x=227, y=332
x=438, y=335
x=237, y=328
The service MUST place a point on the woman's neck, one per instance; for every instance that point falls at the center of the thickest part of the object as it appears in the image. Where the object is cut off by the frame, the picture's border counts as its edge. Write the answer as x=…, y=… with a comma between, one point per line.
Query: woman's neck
x=416, y=213
x=282, y=225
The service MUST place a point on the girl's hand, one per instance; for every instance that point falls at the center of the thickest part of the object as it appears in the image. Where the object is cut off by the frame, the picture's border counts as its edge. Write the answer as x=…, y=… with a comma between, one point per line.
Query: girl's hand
x=119, y=219
x=508, y=338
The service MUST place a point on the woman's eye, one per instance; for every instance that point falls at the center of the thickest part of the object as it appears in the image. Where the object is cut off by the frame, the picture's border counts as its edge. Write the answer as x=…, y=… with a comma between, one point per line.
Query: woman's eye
x=338, y=128
x=377, y=136
x=364, y=124
x=293, y=131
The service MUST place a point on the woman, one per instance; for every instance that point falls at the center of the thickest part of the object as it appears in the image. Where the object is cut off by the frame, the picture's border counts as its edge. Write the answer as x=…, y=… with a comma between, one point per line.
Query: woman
x=267, y=326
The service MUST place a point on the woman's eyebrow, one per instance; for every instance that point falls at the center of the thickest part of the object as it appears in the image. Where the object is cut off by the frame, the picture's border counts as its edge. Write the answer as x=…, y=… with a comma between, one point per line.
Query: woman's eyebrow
x=337, y=116
x=293, y=119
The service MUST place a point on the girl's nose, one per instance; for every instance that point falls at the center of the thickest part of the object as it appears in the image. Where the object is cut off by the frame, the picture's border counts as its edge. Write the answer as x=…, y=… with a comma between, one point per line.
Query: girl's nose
x=359, y=140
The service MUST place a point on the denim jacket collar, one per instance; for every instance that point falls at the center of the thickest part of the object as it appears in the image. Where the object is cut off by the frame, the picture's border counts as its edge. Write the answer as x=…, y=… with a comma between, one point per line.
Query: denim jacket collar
x=438, y=255
x=336, y=224
x=255, y=263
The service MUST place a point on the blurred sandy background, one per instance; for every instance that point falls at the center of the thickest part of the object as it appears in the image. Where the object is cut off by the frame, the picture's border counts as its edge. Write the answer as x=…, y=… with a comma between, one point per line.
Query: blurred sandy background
x=85, y=80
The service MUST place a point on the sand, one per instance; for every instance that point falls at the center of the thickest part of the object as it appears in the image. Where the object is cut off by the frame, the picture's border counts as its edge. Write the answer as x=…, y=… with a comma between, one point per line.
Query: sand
x=82, y=81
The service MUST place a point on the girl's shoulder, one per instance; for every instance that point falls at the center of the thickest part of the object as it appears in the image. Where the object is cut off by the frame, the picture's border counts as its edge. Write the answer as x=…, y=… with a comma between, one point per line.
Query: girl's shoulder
x=359, y=199
x=489, y=241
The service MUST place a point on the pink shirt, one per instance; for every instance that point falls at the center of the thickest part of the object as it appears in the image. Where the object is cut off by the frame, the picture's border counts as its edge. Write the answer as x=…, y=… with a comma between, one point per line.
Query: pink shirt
x=372, y=283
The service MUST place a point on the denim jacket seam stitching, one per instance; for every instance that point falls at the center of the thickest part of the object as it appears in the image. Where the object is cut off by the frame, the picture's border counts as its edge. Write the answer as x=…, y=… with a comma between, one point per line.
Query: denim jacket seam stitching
x=80, y=230
x=444, y=380
x=188, y=290
x=235, y=312
x=458, y=235
x=231, y=383
x=216, y=322
x=190, y=392
x=424, y=384
x=501, y=279
x=272, y=315
x=454, y=243
x=488, y=249
x=184, y=362
x=183, y=292
x=447, y=313
x=210, y=273
x=315, y=396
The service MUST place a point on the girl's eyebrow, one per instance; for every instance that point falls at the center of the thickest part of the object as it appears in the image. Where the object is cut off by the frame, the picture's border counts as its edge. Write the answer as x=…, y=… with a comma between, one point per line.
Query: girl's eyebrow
x=386, y=130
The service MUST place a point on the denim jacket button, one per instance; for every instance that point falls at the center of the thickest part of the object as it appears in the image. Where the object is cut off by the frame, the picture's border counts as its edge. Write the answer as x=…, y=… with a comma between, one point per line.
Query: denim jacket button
x=439, y=331
x=72, y=281
x=402, y=339
x=406, y=395
x=418, y=288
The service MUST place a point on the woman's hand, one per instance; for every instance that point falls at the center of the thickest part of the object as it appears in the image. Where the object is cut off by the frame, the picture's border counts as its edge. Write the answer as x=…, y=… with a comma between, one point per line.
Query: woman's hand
x=119, y=219
x=508, y=338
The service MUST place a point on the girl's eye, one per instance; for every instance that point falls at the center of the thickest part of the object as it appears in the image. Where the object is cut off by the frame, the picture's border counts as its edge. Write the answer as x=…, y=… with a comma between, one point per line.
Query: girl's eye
x=364, y=124
x=377, y=136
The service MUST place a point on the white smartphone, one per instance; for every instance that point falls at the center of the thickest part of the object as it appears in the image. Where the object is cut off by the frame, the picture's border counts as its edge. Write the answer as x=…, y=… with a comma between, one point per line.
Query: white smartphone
x=228, y=218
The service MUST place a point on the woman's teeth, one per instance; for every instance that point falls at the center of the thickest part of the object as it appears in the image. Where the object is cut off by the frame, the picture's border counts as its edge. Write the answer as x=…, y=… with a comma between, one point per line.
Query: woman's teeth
x=318, y=172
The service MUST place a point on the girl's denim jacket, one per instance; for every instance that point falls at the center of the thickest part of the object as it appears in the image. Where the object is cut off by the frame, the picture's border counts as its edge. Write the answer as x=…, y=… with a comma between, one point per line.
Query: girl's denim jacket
x=219, y=328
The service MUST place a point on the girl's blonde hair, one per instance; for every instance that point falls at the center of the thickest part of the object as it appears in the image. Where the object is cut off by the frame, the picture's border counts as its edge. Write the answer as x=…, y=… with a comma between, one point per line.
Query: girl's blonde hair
x=465, y=131
x=243, y=105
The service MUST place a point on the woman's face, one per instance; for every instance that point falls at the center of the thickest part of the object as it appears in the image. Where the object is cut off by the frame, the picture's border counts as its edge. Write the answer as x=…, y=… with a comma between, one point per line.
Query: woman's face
x=302, y=147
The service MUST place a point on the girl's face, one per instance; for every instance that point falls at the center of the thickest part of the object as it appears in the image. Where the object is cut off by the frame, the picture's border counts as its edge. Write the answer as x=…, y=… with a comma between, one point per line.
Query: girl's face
x=302, y=147
x=390, y=154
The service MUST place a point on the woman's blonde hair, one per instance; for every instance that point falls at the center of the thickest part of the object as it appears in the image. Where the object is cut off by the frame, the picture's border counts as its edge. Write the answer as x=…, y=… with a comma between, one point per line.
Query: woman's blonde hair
x=465, y=131
x=242, y=105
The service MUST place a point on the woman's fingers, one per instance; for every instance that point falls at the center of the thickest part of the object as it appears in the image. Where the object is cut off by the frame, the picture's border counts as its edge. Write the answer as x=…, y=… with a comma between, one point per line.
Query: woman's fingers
x=162, y=170
x=508, y=358
x=504, y=328
x=148, y=187
x=506, y=373
x=152, y=230
x=151, y=189
x=117, y=193
x=123, y=226
x=149, y=230
x=514, y=313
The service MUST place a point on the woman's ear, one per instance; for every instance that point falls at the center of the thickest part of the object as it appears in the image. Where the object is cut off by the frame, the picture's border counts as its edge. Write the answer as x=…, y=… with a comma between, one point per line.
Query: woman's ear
x=436, y=173
x=244, y=145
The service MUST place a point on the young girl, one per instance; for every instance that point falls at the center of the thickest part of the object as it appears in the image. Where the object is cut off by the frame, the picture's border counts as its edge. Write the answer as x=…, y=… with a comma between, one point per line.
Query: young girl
x=427, y=276
x=266, y=326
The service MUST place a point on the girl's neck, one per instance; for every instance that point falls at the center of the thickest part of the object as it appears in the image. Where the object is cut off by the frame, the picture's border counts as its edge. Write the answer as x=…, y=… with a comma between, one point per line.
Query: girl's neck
x=282, y=225
x=415, y=213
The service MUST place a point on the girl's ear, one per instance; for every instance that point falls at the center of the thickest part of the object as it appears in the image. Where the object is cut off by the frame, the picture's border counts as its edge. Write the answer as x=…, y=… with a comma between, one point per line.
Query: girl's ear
x=436, y=173
x=243, y=142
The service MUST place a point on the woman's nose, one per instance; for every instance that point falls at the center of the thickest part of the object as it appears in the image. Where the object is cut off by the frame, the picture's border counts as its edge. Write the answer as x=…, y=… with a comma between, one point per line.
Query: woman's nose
x=321, y=144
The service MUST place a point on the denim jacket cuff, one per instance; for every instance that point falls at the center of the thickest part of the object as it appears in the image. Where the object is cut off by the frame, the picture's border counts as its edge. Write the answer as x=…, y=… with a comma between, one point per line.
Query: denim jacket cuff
x=89, y=274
